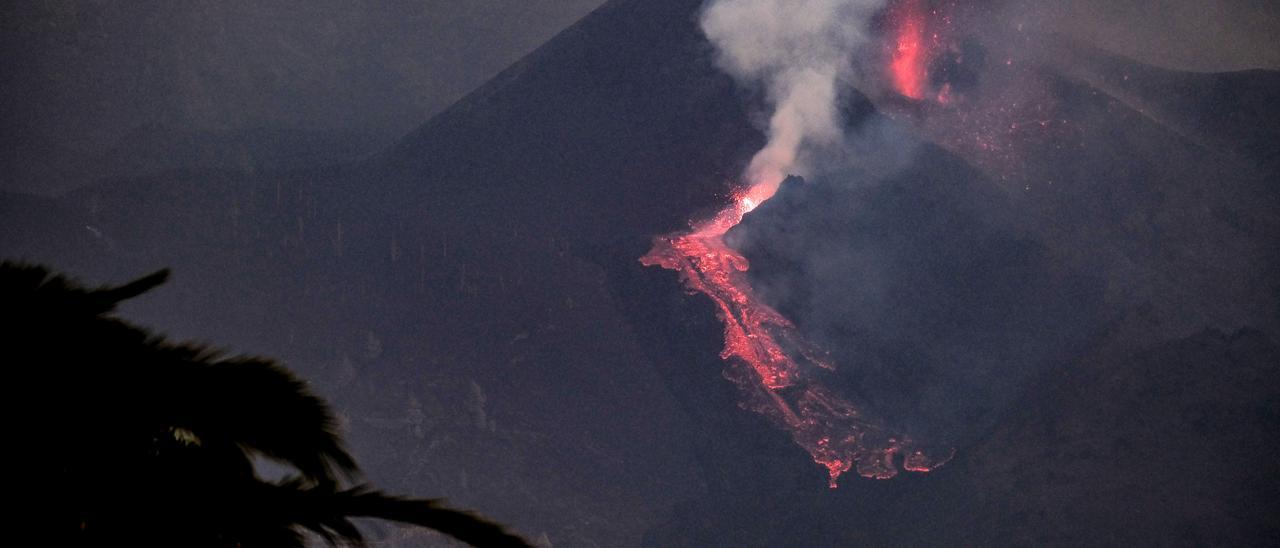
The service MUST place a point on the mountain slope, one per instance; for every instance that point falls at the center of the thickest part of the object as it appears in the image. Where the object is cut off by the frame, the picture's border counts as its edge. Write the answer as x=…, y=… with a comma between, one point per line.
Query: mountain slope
x=471, y=300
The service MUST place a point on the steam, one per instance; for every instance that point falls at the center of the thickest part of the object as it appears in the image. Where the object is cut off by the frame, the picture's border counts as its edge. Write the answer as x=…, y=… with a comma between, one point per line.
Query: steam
x=800, y=51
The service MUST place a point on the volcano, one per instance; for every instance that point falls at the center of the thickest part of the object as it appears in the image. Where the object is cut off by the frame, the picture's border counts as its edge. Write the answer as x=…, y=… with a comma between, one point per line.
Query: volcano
x=1067, y=270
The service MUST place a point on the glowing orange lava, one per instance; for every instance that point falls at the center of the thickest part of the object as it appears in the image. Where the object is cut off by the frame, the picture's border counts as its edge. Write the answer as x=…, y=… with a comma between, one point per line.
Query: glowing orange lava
x=919, y=31
x=907, y=66
x=771, y=363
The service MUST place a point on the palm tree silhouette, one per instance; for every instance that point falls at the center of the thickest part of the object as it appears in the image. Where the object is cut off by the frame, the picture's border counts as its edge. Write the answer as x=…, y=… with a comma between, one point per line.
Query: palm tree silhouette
x=143, y=442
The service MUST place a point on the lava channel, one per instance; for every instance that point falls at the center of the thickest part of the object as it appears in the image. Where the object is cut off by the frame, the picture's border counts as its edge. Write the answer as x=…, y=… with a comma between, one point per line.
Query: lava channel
x=772, y=364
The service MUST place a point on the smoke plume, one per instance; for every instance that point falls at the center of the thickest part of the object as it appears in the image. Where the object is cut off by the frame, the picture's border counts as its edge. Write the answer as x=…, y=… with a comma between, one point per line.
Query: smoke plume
x=799, y=51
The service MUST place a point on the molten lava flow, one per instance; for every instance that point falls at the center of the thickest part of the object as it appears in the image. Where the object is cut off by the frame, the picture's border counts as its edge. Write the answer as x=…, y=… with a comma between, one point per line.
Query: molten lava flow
x=769, y=360
x=907, y=68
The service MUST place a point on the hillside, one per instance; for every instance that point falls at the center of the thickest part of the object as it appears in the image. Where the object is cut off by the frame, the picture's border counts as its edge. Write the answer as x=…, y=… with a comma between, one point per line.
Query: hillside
x=1101, y=350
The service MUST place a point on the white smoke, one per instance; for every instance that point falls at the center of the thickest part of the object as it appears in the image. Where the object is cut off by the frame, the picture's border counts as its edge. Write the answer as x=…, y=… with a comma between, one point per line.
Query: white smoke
x=800, y=51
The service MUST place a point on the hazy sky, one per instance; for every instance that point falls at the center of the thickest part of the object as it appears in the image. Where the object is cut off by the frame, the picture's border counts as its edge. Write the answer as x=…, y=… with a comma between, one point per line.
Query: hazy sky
x=219, y=64
x=120, y=79
x=84, y=78
x=1188, y=34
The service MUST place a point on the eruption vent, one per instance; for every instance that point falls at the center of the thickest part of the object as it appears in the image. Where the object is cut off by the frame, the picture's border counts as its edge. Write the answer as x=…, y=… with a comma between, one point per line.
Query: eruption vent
x=918, y=31
x=800, y=51
x=907, y=68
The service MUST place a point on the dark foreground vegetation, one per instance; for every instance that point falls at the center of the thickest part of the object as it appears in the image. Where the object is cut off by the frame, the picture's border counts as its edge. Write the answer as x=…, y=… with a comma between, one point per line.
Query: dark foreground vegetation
x=138, y=441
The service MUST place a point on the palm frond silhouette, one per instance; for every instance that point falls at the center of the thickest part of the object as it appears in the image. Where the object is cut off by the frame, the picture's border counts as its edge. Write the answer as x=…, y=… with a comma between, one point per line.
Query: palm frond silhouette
x=142, y=441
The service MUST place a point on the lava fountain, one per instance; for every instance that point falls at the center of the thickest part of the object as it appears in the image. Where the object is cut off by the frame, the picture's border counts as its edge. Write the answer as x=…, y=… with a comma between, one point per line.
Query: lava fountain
x=909, y=55
x=918, y=34
x=772, y=364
